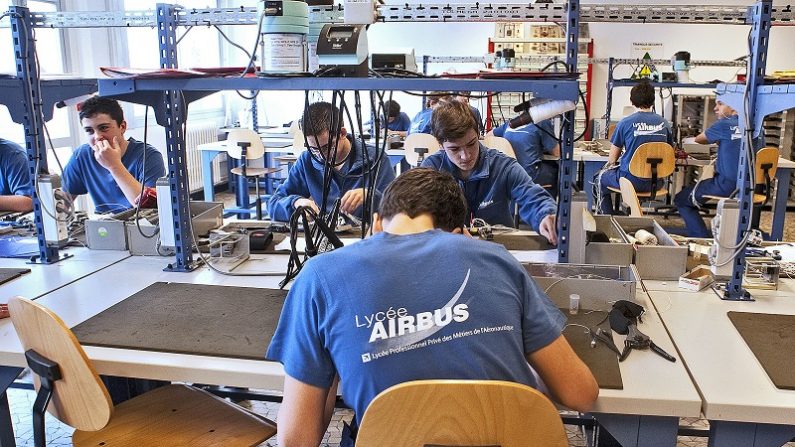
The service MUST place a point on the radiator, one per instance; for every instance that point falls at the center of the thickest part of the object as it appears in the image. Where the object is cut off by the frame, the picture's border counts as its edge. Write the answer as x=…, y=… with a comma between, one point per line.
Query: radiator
x=206, y=132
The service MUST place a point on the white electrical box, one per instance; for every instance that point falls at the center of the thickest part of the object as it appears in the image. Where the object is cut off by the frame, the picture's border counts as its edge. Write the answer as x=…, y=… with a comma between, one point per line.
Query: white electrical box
x=724, y=227
x=55, y=216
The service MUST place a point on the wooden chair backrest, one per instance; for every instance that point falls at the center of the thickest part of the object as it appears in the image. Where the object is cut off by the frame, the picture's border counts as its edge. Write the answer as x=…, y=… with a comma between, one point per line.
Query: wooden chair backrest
x=461, y=413
x=254, y=151
x=499, y=143
x=766, y=156
x=422, y=140
x=610, y=129
x=630, y=197
x=639, y=166
x=79, y=398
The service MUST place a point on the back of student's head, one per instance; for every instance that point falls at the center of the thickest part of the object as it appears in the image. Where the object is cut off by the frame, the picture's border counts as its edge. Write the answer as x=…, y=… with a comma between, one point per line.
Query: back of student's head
x=95, y=105
x=423, y=190
x=318, y=118
x=452, y=120
x=642, y=95
x=437, y=96
x=392, y=109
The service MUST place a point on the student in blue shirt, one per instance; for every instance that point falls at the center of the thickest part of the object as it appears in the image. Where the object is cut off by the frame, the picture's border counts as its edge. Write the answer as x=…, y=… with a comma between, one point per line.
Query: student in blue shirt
x=725, y=132
x=398, y=123
x=421, y=123
x=530, y=143
x=643, y=126
x=304, y=184
x=110, y=168
x=464, y=97
x=491, y=180
x=16, y=188
x=348, y=320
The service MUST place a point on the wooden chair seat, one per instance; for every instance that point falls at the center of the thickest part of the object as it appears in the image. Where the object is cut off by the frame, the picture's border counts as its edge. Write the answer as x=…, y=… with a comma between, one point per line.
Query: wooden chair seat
x=254, y=172
x=660, y=192
x=178, y=415
x=758, y=198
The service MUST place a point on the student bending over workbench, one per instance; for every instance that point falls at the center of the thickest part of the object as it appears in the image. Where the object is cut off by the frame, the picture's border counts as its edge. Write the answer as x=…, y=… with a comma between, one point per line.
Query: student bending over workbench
x=15, y=185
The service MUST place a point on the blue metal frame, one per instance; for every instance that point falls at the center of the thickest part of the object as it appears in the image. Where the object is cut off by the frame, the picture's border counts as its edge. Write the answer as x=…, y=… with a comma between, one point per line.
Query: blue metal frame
x=175, y=113
x=760, y=36
x=566, y=178
x=27, y=71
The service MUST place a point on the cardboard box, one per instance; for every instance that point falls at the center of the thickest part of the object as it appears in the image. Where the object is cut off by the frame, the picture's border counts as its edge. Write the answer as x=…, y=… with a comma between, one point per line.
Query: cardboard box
x=696, y=279
x=608, y=253
x=665, y=261
x=597, y=285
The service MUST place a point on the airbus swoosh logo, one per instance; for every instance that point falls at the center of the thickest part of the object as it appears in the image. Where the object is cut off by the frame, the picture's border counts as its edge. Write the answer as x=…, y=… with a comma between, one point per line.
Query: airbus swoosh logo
x=416, y=337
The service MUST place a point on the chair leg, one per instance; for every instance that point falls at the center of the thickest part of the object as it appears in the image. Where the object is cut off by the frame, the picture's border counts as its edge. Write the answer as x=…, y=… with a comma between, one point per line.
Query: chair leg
x=756, y=216
x=258, y=201
x=49, y=372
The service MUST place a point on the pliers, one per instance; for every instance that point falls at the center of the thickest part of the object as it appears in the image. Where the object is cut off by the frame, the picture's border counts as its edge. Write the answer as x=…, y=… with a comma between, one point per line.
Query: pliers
x=638, y=340
x=599, y=335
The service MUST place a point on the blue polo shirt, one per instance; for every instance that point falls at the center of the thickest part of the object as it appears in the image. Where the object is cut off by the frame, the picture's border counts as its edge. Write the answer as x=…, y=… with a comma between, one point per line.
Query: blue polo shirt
x=529, y=142
x=14, y=170
x=421, y=122
x=305, y=180
x=84, y=175
x=636, y=129
x=726, y=133
x=401, y=124
x=494, y=184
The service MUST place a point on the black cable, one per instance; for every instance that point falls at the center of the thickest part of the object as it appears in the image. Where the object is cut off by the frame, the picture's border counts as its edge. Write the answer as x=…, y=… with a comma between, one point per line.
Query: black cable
x=143, y=181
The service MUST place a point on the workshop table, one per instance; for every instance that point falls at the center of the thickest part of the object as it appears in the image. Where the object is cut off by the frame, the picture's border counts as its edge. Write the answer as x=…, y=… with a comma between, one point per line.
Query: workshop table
x=742, y=404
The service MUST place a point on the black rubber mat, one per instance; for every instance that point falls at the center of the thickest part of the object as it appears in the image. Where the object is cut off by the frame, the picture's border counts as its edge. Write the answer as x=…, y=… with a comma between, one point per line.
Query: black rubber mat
x=198, y=319
x=524, y=242
x=600, y=359
x=771, y=338
x=9, y=274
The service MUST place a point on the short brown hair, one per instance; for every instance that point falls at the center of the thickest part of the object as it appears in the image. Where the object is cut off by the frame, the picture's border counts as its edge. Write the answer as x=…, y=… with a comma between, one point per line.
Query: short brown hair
x=95, y=105
x=452, y=120
x=642, y=94
x=319, y=117
x=425, y=190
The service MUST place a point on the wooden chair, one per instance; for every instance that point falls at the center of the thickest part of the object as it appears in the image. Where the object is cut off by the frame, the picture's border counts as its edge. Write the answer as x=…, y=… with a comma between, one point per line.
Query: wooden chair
x=499, y=143
x=461, y=413
x=245, y=145
x=765, y=168
x=175, y=415
x=610, y=129
x=418, y=146
x=650, y=161
x=630, y=197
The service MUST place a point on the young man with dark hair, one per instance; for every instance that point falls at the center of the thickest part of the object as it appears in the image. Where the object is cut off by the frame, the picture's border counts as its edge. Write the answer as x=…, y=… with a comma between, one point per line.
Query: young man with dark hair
x=110, y=168
x=479, y=316
x=16, y=188
x=726, y=132
x=398, y=122
x=491, y=180
x=464, y=97
x=329, y=141
x=643, y=126
x=530, y=143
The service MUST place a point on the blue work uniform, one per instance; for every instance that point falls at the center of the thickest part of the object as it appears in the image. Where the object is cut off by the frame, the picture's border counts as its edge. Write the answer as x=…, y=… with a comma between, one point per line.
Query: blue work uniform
x=476, y=318
x=494, y=184
x=84, y=175
x=305, y=180
x=630, y=133
x=14, y=170
x=530, y=143
x=421, y=123
x=402, y=123
x=725, y=132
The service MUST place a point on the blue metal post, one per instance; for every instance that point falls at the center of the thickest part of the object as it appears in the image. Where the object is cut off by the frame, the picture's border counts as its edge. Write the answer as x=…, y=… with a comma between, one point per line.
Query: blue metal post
x=567, y=145
x=176, y=113
x=28, y=72
x=760, y=35
x=609, y=108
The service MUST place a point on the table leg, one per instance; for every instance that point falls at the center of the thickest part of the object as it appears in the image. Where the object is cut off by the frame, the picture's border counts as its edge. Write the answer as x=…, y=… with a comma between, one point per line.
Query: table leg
x=207, y=174
x=7, y=376
x=780, y=206
x=640, y=431
x=748, y=434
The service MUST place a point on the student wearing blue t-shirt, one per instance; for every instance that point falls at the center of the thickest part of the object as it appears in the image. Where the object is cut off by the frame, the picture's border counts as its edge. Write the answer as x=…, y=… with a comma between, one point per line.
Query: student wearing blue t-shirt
x=398, y=123
x=110, y=168
x=530, y=143
x=16, y=188
x=304, y=184
x=479, y=316
x=492, y=182
x=421, y=123
x=725, y=132
x=643, y=126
